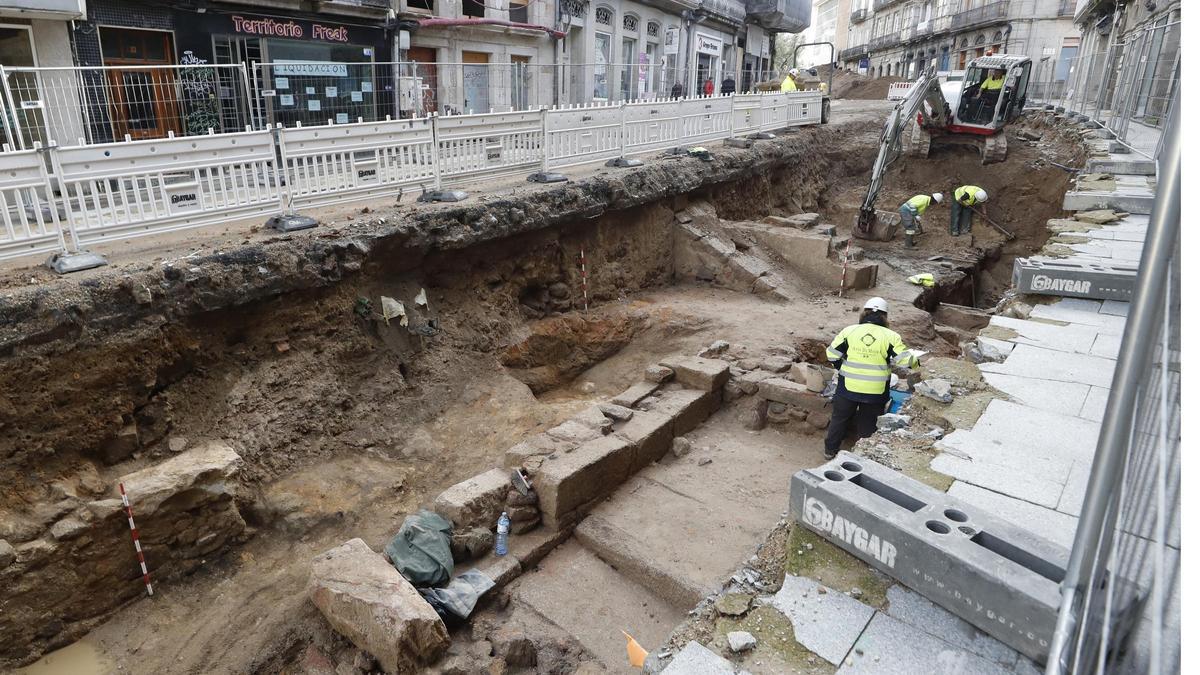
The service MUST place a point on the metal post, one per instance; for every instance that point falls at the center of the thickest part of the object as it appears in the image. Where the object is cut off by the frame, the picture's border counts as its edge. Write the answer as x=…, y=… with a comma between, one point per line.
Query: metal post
x=1132, y=362
x=245, y=91
x=10, y=103
x=437, y=155
x=623, y=162
x=544, y=176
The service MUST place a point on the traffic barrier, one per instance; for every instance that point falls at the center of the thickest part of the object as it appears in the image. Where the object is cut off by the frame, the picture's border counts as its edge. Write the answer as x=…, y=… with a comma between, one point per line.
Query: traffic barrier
x=58, y=198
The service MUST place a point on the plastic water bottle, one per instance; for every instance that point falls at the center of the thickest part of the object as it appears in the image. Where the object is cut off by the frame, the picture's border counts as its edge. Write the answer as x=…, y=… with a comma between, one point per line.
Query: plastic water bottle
x=502, y=534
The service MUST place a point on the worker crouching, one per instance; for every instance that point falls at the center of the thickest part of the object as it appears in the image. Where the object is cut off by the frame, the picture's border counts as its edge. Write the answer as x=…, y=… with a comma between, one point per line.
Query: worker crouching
x=966, y=198
x=910, y=215
x=864, y=355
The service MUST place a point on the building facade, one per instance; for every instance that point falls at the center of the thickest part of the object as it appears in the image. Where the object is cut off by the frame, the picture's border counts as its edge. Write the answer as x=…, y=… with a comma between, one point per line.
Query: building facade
x=35, y=34
x=901, y=38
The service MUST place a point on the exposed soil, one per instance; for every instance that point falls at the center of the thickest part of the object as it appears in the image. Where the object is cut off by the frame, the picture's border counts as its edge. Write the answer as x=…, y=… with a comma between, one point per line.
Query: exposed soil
x=346, y=421
x=853, y=86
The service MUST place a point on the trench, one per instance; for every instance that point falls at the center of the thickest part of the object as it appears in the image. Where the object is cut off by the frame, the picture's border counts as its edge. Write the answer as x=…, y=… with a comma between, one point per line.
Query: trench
x=344, y=420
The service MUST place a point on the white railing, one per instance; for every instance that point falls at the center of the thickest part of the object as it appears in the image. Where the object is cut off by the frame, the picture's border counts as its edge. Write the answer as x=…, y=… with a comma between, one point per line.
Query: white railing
x=897, y=91
x=57, y=198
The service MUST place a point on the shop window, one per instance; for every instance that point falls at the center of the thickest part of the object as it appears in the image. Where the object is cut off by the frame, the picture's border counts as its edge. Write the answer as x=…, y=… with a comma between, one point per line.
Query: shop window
x=603, y=55
x=518, y=11
x=473, y=8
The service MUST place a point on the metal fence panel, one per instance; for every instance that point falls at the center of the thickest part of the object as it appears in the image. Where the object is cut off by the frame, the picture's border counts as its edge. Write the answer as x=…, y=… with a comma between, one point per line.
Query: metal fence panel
x=493, y=143
x=583, y=134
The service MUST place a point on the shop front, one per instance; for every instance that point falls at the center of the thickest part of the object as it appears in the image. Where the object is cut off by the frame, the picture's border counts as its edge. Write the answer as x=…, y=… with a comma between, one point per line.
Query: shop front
x=709, y=48
x=307, y=70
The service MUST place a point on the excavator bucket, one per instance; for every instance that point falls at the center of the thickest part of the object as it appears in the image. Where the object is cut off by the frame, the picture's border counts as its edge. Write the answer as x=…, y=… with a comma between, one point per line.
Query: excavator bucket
x=878, y=226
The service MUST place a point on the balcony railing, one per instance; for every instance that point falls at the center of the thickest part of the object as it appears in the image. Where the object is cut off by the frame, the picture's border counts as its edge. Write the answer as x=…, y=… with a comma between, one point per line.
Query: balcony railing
x=884, y=41
x=995, y=11
x=880, y=4
x=854, y=52
x=858, y=16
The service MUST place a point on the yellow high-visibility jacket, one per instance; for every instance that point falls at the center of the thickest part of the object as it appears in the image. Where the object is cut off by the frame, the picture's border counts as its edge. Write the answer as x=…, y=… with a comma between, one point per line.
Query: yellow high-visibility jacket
x=989, y=84
x=864, y=355
x=968, y=191
x=788, y=84
x=919, y=203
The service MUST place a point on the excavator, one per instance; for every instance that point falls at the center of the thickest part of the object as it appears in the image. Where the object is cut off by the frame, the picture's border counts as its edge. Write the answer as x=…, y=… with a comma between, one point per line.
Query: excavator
x=959, y=112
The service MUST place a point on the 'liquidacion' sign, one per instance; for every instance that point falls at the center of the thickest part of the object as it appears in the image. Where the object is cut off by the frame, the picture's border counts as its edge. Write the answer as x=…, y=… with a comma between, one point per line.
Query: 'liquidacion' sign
x=293, y=30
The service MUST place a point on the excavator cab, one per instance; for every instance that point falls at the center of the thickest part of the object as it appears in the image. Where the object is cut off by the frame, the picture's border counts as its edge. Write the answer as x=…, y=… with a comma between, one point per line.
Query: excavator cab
x=993, y=92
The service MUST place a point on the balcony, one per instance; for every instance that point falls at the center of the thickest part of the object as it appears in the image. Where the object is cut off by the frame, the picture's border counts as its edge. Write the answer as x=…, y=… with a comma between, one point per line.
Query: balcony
x=880, y=4
x=362, y=8
x=858, y=16
x=973, y=18
x=59, y=10
x=854, y=52
x=884, y=41
x=778, y=16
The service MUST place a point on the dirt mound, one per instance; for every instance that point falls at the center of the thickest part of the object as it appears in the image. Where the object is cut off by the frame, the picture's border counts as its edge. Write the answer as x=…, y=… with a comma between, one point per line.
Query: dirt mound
x=860, y=87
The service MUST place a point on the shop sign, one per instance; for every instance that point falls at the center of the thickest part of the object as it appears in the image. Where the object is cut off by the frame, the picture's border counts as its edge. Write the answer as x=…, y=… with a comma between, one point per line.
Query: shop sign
x=294, y=68
x=292, y=30
x=671, y=41
x=707, y=44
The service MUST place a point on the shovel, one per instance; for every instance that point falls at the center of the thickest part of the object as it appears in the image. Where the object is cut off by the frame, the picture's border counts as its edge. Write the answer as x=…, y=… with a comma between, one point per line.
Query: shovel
x=1008, y=235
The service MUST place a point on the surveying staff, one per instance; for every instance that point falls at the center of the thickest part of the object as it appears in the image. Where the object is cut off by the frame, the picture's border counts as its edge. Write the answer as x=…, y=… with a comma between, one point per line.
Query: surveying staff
x=789, y=81
x=864, y=355
x=910, y=215
x=966, y=198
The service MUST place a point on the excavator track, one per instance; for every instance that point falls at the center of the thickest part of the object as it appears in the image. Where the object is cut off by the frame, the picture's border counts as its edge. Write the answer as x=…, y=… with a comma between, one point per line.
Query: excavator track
x=919, y=141
x=995, y=148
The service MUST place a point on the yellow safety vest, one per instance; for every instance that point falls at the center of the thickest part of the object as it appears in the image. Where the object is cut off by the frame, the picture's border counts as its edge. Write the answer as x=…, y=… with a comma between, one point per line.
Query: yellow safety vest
x=989, y=84
x=919, y=203
x=788, y=84
x=969, y=191
x=867, y=354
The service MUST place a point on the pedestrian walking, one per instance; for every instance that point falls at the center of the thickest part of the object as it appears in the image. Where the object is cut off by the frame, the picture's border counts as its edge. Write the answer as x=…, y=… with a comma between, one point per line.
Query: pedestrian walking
x=966, y=198
x=864, y=355
x=910, y=215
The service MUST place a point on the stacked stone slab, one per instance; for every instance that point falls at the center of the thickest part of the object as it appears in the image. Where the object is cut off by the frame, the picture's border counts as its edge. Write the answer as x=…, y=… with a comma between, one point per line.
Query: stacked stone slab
x=703, y=256
x=996, y=576
x=812, y=253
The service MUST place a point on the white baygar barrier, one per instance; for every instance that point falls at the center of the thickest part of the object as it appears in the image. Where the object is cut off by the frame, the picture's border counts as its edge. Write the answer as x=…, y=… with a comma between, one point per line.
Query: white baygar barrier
x=60, y=199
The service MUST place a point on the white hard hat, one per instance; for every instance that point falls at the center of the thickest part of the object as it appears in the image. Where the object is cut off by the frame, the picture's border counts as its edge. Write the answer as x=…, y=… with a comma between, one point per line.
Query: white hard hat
x=793, y=72
x=937, y=197
x=980, y=196
x=877, y=304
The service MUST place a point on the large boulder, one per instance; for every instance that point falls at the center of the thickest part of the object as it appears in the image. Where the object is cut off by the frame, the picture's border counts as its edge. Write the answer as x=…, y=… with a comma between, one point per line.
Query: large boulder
x=365, y=599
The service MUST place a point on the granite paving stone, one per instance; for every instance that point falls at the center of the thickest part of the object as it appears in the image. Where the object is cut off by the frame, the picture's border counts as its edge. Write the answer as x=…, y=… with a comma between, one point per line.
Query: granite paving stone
x=913, y=609
x=1045, y=522
x=696, y=659
x=891, y=647
x=1048, y=364
x=826, y=623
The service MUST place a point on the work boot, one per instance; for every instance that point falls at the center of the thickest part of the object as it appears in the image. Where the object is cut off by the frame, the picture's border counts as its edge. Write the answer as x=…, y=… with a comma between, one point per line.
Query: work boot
x=909, y=240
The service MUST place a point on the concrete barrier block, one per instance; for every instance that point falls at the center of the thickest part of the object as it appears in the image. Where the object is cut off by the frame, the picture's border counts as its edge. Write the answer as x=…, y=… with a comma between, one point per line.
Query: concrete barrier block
x=650, y=433
x=687, y=408
x=695, y=372
x=995, y=575
x=476, y=501
x=568, y=484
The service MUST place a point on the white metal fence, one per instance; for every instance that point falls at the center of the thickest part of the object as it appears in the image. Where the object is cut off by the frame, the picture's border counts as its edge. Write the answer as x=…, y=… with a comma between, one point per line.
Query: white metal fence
x=61, y=198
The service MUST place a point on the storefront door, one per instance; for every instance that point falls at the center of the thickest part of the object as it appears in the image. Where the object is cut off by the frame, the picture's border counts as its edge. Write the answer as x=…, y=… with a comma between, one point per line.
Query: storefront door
x=628, y=45
x=427, y=77
x=521, y=76
x=475, y=82
x=141, y=99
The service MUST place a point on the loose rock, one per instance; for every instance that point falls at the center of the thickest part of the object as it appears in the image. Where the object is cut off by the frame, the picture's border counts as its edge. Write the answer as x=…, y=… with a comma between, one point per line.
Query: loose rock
x=892, y=421
x=936, y=389
x=740, y=641
x=658, y=374
x=777, y=364
x=680, y=447
x=733, y=604
x=715, y=349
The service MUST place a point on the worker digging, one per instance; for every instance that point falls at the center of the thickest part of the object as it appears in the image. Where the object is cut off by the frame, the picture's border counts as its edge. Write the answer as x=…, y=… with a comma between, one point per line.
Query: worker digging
x=910, y=215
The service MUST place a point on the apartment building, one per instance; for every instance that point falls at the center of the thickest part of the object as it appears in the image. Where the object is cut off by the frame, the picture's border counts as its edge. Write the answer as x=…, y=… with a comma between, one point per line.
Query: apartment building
x=34, y=34
x=907, y=36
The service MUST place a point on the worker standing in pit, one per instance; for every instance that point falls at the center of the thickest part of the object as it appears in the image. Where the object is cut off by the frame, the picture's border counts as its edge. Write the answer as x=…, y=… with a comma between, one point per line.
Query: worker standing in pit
x=966, y=198
x=910, y=215
x=789, y=81
x=864, y=355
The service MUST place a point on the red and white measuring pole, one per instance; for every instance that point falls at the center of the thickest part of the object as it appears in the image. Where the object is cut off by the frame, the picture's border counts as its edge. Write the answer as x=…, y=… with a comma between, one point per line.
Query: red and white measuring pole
x=583, y=270
x=137, y=545
x=845, y=264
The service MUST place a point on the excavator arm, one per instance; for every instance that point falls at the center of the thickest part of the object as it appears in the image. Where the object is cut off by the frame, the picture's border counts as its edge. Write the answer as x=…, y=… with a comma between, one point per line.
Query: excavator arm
x=924, y=97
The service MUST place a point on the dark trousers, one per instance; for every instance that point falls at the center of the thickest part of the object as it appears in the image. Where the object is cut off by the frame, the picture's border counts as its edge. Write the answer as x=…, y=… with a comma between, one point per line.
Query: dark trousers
x=844, y=412
x=960, y=218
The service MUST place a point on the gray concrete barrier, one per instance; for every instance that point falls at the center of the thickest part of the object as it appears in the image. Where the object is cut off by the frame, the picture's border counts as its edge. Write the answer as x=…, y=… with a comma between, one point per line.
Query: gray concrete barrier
x=1000, y=578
